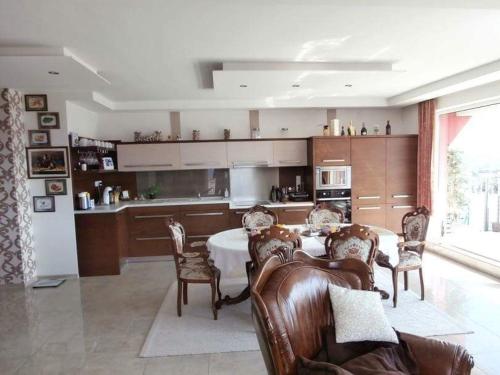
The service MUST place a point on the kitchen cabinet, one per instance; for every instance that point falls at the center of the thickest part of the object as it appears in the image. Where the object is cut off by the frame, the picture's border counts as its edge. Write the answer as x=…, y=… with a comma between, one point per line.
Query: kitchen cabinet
x=235, y=217
x=293, y=215
x=148, y=233
x=394, y=215
x=202, y=220
x=148, y=157
x=368, y=157
x=401, y=170
x=250, y=154
x=203, y=155
x=291, y=153
x=370, y=214
x=331, y=151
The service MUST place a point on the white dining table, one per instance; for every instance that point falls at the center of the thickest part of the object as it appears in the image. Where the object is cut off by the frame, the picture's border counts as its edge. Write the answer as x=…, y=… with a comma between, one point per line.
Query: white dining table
x=229, y=249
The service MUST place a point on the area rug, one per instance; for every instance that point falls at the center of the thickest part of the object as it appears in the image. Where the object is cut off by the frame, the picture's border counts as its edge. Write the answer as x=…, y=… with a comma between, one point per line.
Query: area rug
x=197, y=333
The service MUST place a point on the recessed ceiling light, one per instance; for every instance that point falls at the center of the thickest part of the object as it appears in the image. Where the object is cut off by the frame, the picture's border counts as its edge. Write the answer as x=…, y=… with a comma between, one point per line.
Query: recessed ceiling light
x=348, y=85
x=295, y=85
x=243, y=86
x=53, y=72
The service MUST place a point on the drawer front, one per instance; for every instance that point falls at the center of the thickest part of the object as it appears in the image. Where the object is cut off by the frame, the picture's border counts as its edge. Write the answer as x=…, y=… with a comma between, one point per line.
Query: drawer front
x=293, y=215
x=150, y=221
x=235, y=217
x=401, y=170
x=394, y=215
x=369, y=215
x=331, y=151
x=145, y=246
x=204, y=222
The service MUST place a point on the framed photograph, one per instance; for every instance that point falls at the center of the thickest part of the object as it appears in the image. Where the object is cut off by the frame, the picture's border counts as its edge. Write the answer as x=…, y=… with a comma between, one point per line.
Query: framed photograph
x=107, y=163
x=39, y=138
x=47, y=162
x=48, y=120
x=35, y=102
x=56, y=187
x=44, y=204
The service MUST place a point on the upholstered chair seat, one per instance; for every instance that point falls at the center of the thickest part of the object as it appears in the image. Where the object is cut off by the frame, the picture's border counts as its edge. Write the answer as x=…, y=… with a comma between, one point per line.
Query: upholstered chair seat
x=409, y=259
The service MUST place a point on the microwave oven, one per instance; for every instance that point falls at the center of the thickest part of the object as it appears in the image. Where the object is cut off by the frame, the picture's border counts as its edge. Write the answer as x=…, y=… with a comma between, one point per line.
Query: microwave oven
x=333, y=178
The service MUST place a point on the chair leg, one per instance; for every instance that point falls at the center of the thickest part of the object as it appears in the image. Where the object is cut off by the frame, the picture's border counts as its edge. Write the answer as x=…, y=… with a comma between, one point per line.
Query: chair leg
x=395, y=287
x=406, y=280
x=185, y=292
x=219, y=294
x=214, y=309
x=421, y=284
x=179, y=294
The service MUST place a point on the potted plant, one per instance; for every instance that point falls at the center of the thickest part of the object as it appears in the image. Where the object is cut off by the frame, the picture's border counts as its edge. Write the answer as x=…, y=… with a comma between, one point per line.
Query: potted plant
x=153, y=191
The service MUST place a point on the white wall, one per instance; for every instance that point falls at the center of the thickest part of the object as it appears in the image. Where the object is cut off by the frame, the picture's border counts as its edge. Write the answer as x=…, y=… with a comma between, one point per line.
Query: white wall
x=212, y=123
x=376, y=116
x=81, y=120
x=54, y=232
x=410, y=119
x=122, y=125
x=301, y=123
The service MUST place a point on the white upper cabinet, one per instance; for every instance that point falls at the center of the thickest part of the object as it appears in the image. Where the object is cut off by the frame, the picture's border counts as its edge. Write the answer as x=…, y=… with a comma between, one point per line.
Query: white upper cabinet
x=148, y=157
x=250, y=154
x=203, y=155
x=291, y=153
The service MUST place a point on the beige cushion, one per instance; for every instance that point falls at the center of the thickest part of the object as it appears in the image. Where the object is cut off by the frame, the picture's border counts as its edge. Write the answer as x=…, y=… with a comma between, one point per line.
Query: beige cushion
x=409, y=259
x=195, y=271
x=359, y=316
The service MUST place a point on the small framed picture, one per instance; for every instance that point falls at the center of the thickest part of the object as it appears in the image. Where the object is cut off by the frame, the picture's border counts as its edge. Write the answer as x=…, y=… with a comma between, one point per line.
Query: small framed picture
x=39, y=138
x=48, y=120
x=35, y=102
x=46, y=162
x=56, y=187
x=107, y=163
x=44, y=204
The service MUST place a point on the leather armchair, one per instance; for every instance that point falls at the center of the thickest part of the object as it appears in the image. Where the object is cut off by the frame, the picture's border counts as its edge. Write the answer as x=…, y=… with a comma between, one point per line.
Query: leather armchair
x=291, y=308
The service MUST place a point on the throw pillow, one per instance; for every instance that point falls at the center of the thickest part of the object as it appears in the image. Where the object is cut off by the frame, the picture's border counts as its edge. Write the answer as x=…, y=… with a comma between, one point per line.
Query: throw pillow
x=359, y=316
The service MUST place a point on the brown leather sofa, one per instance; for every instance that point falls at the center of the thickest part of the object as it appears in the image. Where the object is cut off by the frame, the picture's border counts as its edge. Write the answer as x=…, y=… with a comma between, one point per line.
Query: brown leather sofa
x=291, y=308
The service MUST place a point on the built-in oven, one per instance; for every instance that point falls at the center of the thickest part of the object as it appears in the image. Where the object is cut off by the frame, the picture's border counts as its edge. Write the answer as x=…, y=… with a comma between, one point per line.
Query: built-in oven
x=328, y=178
x=338, y=198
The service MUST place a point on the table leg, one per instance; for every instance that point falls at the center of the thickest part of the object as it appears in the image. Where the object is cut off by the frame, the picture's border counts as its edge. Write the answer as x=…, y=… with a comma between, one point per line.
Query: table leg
x=383, y=293
x=228, y=300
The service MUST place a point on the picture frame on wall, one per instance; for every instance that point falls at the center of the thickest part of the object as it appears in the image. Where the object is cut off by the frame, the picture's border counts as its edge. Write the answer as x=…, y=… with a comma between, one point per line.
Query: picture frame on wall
x=35, y=102
x=107, y=163
x=39, y=138
x=44, y=204
x=46, y=162
x=56, y=187
x=48, y=120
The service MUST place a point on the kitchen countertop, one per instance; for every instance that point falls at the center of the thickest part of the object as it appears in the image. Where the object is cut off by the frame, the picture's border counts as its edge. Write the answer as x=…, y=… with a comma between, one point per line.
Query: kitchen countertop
x=113, y=208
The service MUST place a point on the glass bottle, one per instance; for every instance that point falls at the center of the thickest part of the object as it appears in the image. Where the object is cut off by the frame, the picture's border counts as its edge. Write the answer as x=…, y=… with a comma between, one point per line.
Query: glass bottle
x=364, y=131
x=388, y=128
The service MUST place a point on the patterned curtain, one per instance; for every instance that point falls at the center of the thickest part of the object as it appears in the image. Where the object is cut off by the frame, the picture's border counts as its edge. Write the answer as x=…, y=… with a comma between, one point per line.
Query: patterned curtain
x=426, y=119
x=17, y=258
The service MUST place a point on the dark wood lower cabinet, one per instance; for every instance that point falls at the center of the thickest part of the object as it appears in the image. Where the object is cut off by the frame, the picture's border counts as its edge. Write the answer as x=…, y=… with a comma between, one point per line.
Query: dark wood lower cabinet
x=293, y=215
x=394, y=215
x=369, y=214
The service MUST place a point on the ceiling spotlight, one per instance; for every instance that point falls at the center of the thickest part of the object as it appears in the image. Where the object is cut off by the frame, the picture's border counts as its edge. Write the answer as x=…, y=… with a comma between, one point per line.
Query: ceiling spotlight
x=348, y=85
x=53, y=72
x=243, y=86
x=295, y=85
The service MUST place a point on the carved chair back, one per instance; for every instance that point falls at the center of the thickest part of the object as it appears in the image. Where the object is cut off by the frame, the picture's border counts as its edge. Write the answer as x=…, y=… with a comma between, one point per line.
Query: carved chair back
x=177, y=238
x=355, y=241
x=323, y=213
x=259, y=216
x=415, y=226
x=271, y=241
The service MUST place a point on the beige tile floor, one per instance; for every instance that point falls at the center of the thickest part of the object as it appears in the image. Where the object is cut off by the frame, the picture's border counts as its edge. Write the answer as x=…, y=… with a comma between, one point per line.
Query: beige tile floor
x=97, y=325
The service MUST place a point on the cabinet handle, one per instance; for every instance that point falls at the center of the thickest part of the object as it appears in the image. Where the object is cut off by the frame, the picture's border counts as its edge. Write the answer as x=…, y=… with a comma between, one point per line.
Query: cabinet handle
x=370, y=197
x=250, y=164
x=240, y=212
x=368, y=208
x=295, y=210
x=208, y=164
x=289, y=161
x=199, y=236
x=402, y=195
x=151, y=238
x=152, y=216
x=147, y=165
x=333, y=160
x=206, y=214
x=402, y=206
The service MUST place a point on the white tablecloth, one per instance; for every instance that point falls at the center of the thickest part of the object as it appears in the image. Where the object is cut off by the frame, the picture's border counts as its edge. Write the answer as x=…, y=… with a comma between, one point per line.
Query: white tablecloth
x=229, y=249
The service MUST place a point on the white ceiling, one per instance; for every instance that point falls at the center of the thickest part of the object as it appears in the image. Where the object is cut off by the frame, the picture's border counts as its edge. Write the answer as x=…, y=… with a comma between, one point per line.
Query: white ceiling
x=160, y=54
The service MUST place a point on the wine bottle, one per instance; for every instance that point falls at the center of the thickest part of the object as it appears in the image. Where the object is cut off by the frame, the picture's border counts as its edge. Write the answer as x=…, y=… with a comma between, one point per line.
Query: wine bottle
x=388, y=128
x=364, y=131
x=343, y=131
x=273, y=194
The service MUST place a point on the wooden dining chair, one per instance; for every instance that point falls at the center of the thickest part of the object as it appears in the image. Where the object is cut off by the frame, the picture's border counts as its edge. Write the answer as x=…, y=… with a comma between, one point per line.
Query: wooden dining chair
x=275, y=240
x=411, y=250
x=323, y=213
x=192, y=267
x=354, y=241
x=259, y=216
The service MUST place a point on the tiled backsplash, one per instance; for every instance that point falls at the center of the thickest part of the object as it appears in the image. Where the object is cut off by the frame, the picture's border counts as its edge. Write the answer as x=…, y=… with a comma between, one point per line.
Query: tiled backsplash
x=179, y=184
